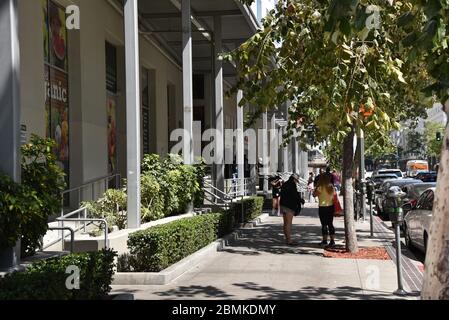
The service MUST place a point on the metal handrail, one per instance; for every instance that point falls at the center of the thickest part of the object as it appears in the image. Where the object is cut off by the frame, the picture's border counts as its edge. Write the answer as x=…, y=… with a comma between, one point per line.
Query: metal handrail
x=91, y=184
x=102, y=221
x=86, y=184
x=72, y=235
x=208, y=185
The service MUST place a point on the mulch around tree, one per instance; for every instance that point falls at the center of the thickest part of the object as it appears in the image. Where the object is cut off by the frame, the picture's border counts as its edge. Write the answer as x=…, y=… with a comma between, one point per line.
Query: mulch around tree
x=371, y=253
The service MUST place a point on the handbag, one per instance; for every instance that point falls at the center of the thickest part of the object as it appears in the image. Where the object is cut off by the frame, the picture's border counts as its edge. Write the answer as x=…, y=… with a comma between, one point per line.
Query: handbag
x=337, y=206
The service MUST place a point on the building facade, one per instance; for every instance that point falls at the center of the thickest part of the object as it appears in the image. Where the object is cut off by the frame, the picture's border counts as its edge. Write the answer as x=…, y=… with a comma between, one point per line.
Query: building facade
x=110, y=81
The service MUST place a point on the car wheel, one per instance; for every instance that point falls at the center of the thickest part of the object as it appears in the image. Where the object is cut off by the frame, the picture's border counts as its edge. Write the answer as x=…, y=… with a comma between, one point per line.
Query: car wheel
x=408, y=239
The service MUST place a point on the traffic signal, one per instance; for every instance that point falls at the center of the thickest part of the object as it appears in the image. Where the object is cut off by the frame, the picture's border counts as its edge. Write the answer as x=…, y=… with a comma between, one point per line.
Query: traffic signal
x=438, y=136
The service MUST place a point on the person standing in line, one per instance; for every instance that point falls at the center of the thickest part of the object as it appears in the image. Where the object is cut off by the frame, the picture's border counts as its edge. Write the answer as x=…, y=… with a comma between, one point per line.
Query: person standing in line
x=337, y=181
x=310, y=187
x=325, y=193
x=315, y=181
x=291, y=202
x=276, y=185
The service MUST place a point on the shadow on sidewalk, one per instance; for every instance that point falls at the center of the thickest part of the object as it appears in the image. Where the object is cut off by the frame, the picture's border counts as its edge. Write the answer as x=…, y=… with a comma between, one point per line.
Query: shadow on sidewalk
x=270, y=293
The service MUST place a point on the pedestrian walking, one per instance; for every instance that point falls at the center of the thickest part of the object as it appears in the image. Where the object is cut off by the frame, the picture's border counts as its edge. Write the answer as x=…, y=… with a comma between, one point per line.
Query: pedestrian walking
x=291, y=202
x=325, y=193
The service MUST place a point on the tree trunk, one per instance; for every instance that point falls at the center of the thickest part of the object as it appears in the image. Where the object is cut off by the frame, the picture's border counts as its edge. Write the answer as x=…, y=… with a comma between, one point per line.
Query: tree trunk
x=436, y=277
x=348, y=193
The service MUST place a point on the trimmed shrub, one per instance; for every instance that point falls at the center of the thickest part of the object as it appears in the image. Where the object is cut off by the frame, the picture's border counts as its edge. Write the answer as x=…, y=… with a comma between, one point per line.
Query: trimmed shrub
x=46, y=280
x=157, y=248
x=252, y=208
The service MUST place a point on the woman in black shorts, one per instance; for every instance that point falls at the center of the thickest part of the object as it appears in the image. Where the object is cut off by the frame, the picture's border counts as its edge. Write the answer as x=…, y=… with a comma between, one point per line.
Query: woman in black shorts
x=276, y=186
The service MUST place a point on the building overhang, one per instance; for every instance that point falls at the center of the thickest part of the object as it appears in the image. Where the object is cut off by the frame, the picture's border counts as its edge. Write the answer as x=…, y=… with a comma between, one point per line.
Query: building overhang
x=161, y=21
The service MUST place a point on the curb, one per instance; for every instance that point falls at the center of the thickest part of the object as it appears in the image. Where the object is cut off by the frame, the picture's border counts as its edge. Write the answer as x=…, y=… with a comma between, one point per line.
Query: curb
x=178, y=269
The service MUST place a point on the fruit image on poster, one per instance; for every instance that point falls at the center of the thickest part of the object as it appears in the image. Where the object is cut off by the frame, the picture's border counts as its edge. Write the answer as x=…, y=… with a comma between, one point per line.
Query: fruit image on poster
x=58, y=36
x=57, y=93
x=45, y=30
x=112, y=133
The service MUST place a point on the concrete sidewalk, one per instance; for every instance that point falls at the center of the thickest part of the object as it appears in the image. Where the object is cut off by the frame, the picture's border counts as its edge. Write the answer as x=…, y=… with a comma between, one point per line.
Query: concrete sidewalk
x=258, y=265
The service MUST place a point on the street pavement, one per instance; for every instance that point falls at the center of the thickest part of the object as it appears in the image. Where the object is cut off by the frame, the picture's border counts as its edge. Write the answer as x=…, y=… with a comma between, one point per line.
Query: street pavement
x=259, y=266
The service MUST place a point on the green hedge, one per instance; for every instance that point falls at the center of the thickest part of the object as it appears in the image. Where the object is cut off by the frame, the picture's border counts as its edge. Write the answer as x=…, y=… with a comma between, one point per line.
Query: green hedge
x=46, y=280
x=252, y=208
x=157, y=248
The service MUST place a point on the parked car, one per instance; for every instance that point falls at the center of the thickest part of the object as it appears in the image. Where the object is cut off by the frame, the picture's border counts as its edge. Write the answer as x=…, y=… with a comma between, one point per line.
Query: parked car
x=379, y=179
x=414, y=191
x=396, y=172
x=430, y=176
x=417, y=221
x=382, y=192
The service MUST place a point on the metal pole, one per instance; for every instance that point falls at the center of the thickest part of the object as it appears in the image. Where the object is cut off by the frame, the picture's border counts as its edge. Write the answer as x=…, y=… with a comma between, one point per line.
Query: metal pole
x=400, y=291
x=371, y=218
x=132, y=111
x=10, y=107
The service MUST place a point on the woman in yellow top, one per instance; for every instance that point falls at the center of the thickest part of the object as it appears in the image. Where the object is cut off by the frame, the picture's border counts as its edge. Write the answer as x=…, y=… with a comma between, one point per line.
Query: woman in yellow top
x=325, y=193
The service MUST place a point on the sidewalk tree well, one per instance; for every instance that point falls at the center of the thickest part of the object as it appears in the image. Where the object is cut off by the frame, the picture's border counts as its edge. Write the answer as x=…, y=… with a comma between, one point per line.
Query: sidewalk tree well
x=338, y=69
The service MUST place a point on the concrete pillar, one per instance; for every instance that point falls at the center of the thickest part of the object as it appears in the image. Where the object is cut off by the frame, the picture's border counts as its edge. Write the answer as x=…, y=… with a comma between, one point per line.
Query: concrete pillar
x=265, y=147
x=132, y=111
x=274, y=146
x=240, y=144
x=285, y=153
x=9, y=107
x=219, y=112
x=187, y=79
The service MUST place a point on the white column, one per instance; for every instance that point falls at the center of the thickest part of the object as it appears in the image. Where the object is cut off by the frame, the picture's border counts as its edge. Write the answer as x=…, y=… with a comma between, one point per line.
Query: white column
x=9, y=90
x=285, y=155
x=187, y=78
x=132, y=111
x=9, y=107
x=219, y=116
x=274, y=146
x=265, y=151
x=240, y=144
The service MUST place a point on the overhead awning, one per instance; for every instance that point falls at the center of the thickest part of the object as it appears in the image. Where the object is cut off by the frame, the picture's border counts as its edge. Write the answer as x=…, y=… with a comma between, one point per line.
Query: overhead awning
x=161, y=20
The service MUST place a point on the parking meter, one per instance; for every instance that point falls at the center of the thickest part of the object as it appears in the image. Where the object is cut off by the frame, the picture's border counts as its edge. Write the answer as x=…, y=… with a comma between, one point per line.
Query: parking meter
x=394, y=205
x=394, y=209
x=370, y=191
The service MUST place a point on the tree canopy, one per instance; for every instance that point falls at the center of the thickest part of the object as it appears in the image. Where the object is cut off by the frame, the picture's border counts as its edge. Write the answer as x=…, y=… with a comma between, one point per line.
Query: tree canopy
x=340, y=64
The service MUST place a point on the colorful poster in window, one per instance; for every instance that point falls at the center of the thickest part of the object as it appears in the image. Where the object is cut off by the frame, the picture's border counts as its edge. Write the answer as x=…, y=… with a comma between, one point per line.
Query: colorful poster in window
x=112, y=133
x=56, y=81
x=57, y=94
x=45, y=30
x=57, y=36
